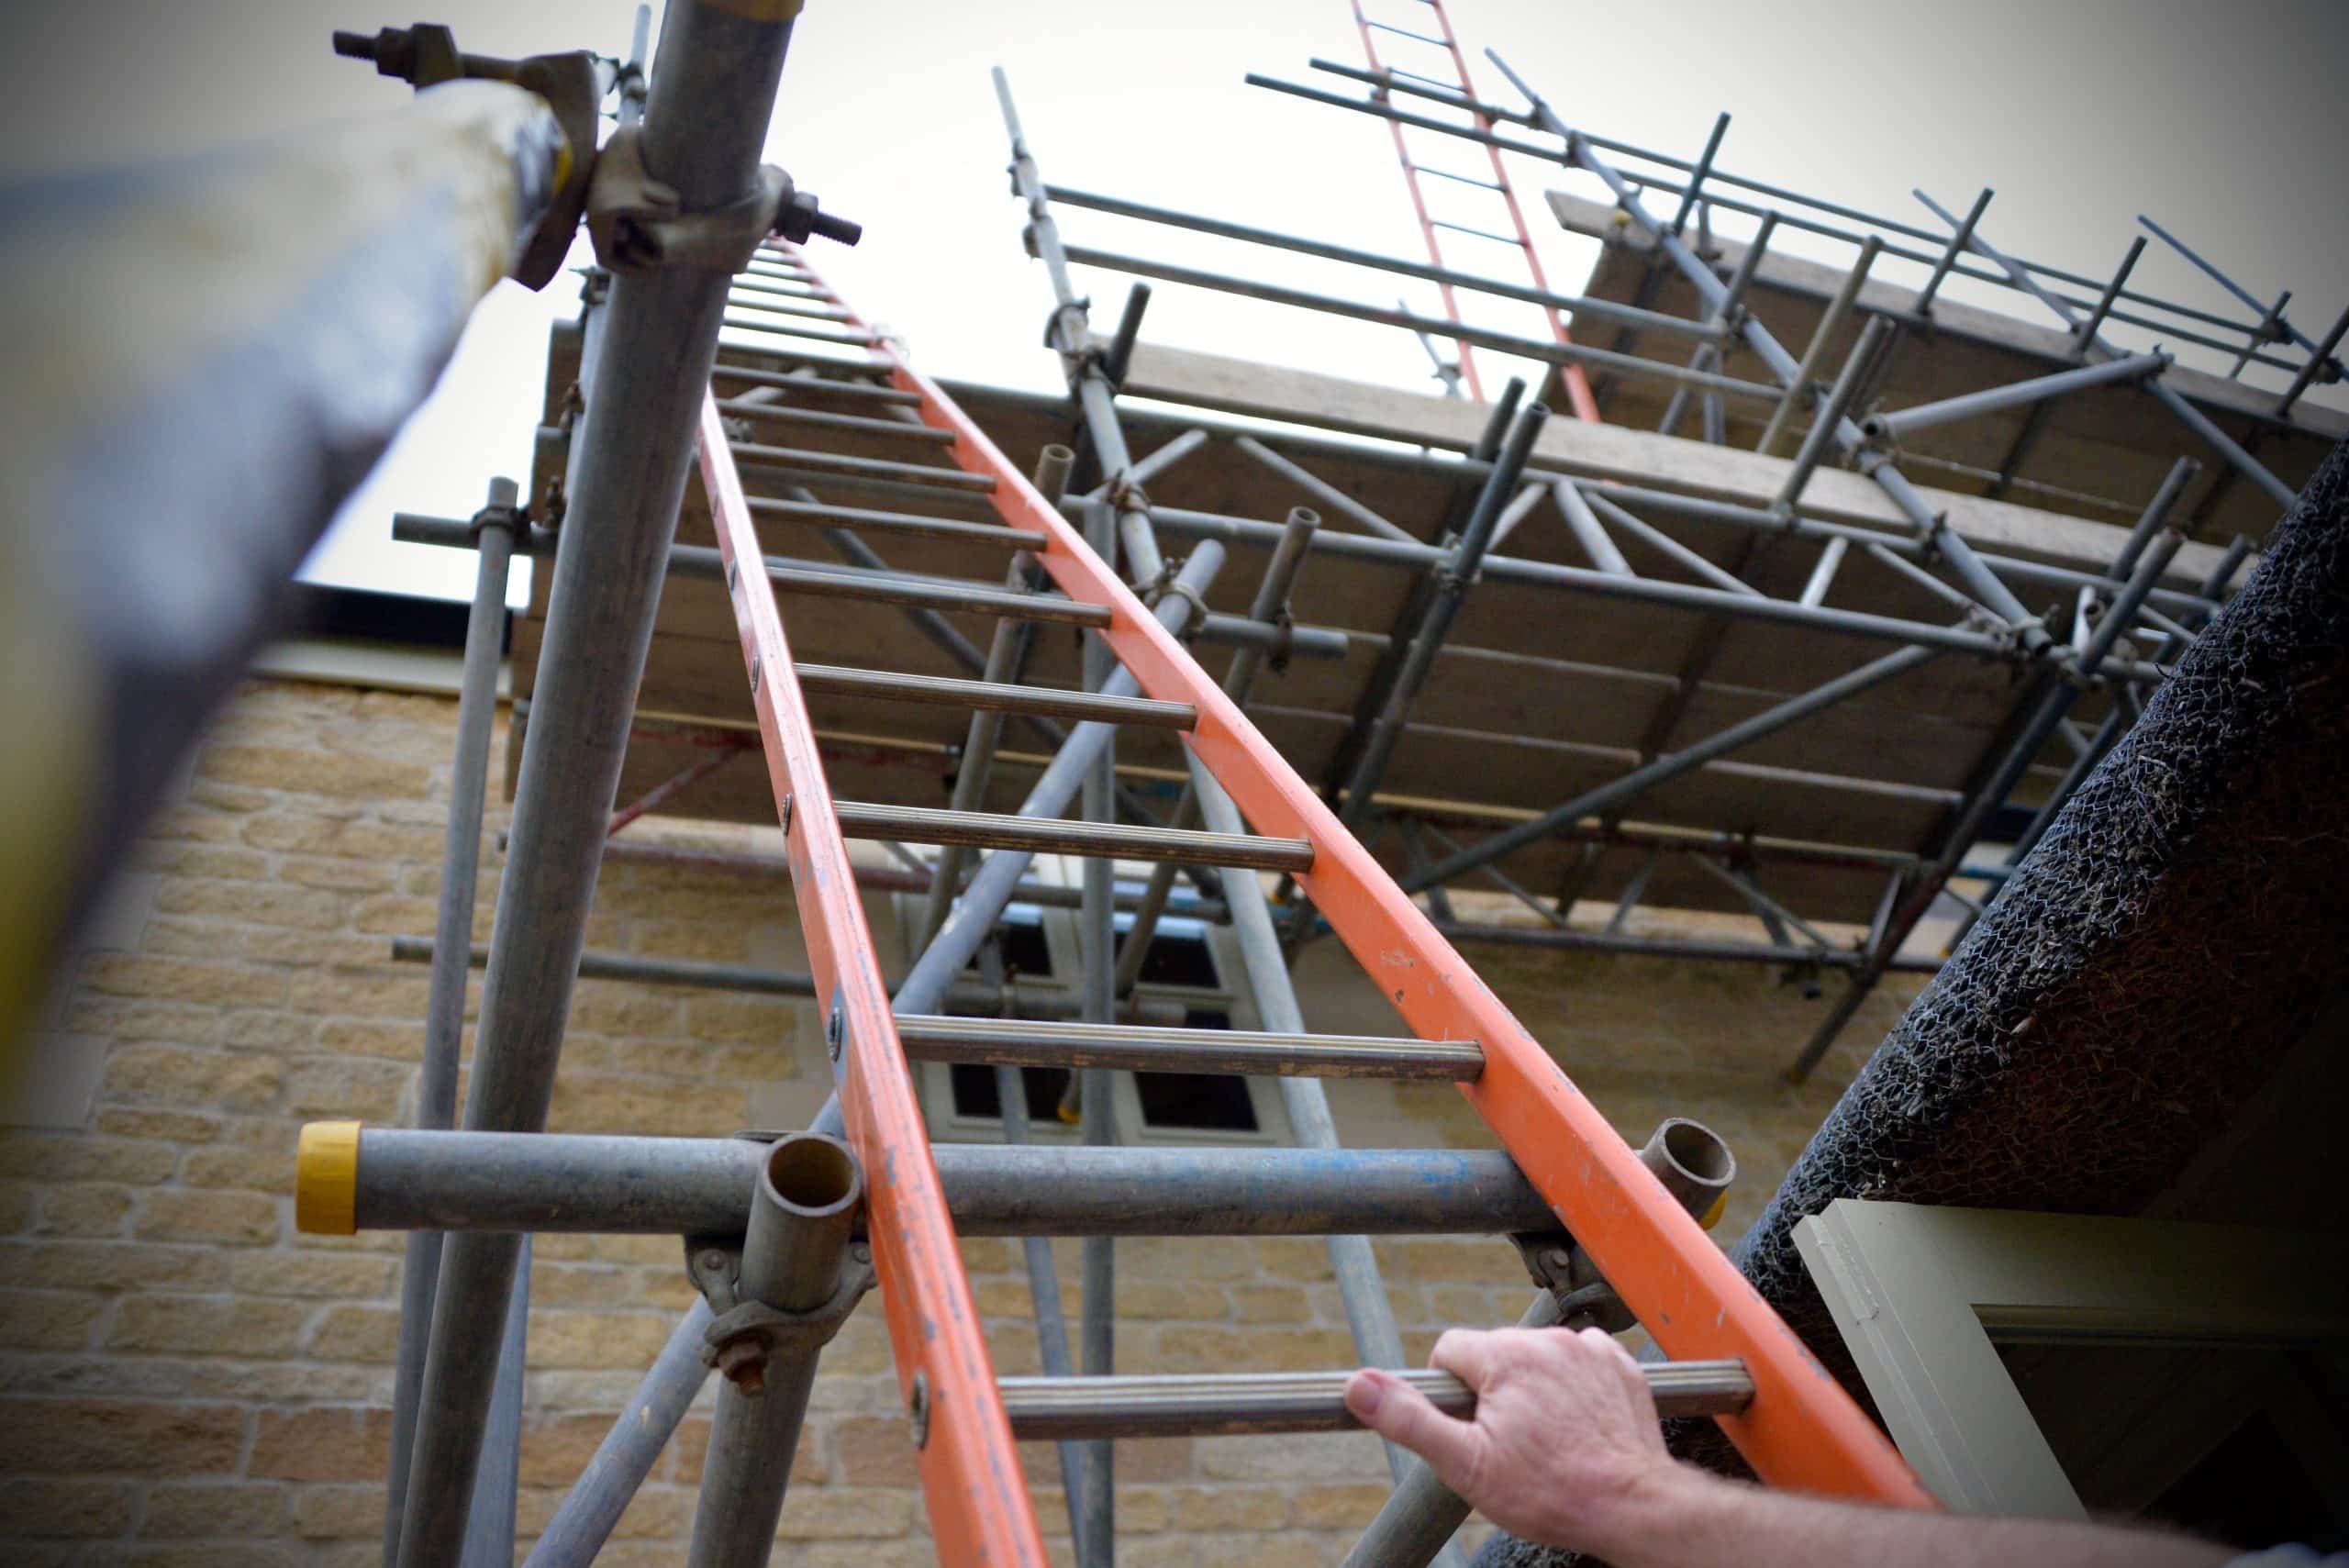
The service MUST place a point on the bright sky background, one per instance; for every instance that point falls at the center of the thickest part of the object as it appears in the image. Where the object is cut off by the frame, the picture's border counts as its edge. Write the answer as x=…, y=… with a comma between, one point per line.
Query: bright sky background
x=2222, y=122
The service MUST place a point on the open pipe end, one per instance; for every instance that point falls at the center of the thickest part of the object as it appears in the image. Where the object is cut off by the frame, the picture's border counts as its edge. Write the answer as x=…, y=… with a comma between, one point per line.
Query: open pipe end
x=1694, y=1163
x=812, y=1175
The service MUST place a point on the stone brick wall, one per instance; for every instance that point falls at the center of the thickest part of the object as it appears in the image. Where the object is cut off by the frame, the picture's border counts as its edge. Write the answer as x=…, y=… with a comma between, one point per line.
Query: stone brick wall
x=186, y=1381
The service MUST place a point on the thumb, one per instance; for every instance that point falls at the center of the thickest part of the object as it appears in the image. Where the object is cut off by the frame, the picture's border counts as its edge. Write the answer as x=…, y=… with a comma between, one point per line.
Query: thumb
x=1402, y=1414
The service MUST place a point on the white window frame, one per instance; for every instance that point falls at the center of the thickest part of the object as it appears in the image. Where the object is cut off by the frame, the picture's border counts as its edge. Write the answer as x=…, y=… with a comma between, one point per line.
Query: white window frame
x=1923, y=1294
x=934, y=1079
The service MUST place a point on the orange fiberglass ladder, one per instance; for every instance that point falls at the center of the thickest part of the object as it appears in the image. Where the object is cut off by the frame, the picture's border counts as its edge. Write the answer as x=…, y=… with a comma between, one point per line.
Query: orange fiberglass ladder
x=1797, y=1427
x=1577, y=386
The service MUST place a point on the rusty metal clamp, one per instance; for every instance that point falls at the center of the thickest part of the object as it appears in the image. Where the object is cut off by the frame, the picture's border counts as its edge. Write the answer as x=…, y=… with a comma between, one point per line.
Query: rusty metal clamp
x=745, y=1337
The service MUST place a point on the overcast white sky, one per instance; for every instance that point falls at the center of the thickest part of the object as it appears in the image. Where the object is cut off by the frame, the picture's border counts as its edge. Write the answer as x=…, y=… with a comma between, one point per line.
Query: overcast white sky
x=2222, y=122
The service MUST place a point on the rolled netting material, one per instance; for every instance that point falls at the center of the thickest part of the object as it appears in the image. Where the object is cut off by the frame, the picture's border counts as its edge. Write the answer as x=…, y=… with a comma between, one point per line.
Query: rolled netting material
x=2142, y=973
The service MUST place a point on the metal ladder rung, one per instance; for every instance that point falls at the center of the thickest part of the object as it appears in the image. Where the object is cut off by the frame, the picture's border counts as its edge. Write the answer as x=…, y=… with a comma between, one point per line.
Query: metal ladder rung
x=1168, y=1406
x=827, y=386
x=1015, y=1042
x=1066, y=836
x=858, y=339
x=753, y=454
x=773, y=266
x=1408, y=33
x=898, y=588
x=1478, y=233
x=783, y=414
x=759, y=282
x=816, y=311
x=1045, y=700
x=819, y=512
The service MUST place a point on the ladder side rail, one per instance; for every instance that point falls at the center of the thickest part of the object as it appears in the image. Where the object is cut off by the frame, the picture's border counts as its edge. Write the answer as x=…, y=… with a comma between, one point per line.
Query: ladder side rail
x=1803, y=1430
x=970, y=1469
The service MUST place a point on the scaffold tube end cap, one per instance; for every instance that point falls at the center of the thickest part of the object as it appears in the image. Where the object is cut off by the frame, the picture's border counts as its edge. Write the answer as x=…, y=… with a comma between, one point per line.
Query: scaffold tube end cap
x=326, y=1179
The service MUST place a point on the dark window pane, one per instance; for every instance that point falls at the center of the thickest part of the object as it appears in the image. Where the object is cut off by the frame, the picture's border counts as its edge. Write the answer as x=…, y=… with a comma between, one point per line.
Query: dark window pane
x=1025, y=952
x=1178, y=961
x=1196, y=1102
x=976, y=1096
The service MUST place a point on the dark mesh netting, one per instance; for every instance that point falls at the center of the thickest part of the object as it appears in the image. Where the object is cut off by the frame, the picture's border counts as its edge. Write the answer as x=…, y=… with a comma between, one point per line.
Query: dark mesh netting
x=2145, y=969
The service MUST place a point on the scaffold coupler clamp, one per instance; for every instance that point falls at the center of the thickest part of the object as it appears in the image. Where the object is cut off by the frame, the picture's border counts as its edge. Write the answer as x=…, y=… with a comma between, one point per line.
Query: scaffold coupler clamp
x=504, y=510
x=745, y=1337
x=1560, y=1266
x=426, y=55
x=1167, y=583
x=638, y=223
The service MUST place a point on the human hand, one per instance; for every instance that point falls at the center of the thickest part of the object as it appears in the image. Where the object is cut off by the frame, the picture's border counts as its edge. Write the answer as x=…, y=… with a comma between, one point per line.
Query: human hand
x=1564, y=1449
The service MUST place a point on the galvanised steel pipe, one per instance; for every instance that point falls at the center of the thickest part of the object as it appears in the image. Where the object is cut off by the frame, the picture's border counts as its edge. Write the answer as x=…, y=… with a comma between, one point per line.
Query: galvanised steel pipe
x=2172, y=486
x=585, y=1517
x=1581, y=307
x=809, y=1198
x=1461, y=565
x=1930, y=524
x=963, y=998
x=2186, y=413
x=1272, y=598
x=1214, y=526
x=917, y=592
x=489, y=1524
x=1672, y=765
x=1007, y=653
x=1901, y=422
x=1830, y=322
x=1774, y=193
x=444, y=1007
x=1329, y=494
x=705, y=123
x=957, y=940
x=596, y=1184
x=887, y=879
x=1178, y=1404
x=1547, y=351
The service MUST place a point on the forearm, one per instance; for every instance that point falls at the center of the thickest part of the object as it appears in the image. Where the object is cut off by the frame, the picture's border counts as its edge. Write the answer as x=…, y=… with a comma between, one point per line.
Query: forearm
x=1696, y=1521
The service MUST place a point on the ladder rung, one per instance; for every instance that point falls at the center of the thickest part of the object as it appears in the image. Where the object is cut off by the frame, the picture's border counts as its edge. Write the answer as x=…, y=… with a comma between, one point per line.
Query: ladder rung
x=890, y=686
x=1167, y=1406
x=817, y=312
x=776, y=267
x=1015, y=1042
x=1479, y=233
x=783, y=414
x=827, y=386
x=861, y=340
x=755, y=282
x=821, y=512
x=754, y=455
x=1459, y=179
x=929, y=592
x=1408, y=33
x=1061, y=835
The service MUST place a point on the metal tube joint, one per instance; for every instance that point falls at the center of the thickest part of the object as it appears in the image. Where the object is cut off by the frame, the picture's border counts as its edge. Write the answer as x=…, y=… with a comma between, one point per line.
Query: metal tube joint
x=781, y=1291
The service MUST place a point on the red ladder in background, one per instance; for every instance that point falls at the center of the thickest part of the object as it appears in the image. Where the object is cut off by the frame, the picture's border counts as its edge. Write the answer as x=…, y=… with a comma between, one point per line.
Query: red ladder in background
x=1799, y=1429
x=1577, y=386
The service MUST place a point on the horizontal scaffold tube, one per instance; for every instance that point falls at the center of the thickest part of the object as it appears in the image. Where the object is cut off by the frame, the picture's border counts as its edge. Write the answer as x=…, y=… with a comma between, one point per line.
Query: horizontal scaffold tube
x=406, y=1180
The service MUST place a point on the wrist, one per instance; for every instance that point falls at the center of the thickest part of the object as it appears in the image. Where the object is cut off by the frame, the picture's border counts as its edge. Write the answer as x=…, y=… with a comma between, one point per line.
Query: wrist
x=1639, y=1521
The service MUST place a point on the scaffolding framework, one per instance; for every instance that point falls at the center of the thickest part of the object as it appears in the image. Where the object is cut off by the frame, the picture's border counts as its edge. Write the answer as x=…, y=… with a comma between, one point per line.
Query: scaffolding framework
x=804, y=418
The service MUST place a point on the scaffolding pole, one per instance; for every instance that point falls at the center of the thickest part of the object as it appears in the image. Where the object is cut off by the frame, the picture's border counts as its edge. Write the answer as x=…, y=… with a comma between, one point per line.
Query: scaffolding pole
x=706, y=114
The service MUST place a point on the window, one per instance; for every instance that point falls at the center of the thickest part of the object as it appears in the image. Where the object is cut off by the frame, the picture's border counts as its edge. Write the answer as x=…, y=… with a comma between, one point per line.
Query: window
x=1188, y=961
